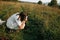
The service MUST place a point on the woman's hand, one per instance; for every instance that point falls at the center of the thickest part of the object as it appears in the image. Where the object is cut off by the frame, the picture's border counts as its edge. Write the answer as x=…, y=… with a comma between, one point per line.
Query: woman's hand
x=26, y=18
x=22, y=25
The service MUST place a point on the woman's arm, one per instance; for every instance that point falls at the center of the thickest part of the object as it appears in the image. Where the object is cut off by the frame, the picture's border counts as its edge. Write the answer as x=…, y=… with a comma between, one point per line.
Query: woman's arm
x=22, y=25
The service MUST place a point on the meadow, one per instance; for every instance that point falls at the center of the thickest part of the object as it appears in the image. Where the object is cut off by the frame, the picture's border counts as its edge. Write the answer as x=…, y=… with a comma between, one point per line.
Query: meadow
x=43, y=21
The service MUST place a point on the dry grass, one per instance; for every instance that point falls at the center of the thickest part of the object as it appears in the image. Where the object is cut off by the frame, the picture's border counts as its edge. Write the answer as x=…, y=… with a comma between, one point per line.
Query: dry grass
x=47, y=14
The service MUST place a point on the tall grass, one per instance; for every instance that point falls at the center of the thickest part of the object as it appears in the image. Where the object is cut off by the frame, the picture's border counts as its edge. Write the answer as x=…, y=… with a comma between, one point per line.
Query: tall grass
x=43, y=21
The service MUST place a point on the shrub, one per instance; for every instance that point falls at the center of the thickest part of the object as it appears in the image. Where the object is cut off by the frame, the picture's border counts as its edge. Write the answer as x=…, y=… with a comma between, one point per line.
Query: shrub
x=53, y=3
x=39, y=2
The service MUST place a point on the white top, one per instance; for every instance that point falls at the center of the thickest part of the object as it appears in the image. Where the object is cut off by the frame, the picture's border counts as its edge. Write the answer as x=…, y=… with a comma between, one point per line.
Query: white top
x=13, y=22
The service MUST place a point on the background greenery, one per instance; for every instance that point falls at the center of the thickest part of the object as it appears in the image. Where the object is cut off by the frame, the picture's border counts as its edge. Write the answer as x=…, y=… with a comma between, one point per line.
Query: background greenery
x=43, y=21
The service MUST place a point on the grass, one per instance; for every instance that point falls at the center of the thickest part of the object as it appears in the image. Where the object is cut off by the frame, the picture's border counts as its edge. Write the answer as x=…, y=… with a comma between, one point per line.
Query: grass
x=43, y=22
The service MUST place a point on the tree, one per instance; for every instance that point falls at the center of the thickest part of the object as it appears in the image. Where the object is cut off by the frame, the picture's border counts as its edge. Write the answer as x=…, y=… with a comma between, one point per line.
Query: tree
x=39, y=2
x=53, y=3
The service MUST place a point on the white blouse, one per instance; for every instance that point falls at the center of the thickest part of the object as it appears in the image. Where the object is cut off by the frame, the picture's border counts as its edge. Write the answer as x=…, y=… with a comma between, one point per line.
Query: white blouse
x=13, y=22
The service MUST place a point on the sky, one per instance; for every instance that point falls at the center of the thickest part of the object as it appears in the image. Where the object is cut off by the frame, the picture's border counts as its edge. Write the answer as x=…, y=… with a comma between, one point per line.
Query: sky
x=44, y=1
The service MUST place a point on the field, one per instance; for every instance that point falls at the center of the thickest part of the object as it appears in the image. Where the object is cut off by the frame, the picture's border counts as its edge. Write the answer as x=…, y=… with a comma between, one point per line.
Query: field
x=43, y=21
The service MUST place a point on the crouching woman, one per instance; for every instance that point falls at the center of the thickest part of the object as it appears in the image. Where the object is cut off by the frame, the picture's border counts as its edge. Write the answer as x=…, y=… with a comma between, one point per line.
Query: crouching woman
x=16, y=21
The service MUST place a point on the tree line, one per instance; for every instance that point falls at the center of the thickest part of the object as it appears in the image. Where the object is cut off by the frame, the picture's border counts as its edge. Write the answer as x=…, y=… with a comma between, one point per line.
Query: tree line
x=53, y=3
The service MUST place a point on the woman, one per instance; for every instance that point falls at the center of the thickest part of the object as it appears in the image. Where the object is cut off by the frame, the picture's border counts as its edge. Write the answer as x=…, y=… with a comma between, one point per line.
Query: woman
x=16, y=21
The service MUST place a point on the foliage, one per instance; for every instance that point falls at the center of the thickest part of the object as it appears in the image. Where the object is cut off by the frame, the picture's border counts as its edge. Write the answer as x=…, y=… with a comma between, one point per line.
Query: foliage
x=59, y=6
x=53, y=3
x=39, y=2
x=43, y=21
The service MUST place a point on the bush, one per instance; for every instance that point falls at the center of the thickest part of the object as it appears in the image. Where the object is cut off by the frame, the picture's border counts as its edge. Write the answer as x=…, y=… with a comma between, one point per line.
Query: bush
x=59, y=6
x=39, y=2
x=53, y=3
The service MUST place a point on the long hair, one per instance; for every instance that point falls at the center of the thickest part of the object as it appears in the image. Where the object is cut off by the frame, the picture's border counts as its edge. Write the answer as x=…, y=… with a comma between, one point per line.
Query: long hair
x=22, y=15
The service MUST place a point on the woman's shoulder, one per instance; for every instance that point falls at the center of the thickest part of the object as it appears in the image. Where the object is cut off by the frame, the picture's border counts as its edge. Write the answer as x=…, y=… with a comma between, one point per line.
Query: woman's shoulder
x=16, y=15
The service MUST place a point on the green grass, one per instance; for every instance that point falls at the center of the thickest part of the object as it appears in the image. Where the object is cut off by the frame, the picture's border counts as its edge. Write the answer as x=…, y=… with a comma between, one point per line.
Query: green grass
x=43, y=21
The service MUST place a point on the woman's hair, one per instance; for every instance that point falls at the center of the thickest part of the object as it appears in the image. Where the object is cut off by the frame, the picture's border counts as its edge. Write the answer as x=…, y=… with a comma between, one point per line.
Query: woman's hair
x=22, y=15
